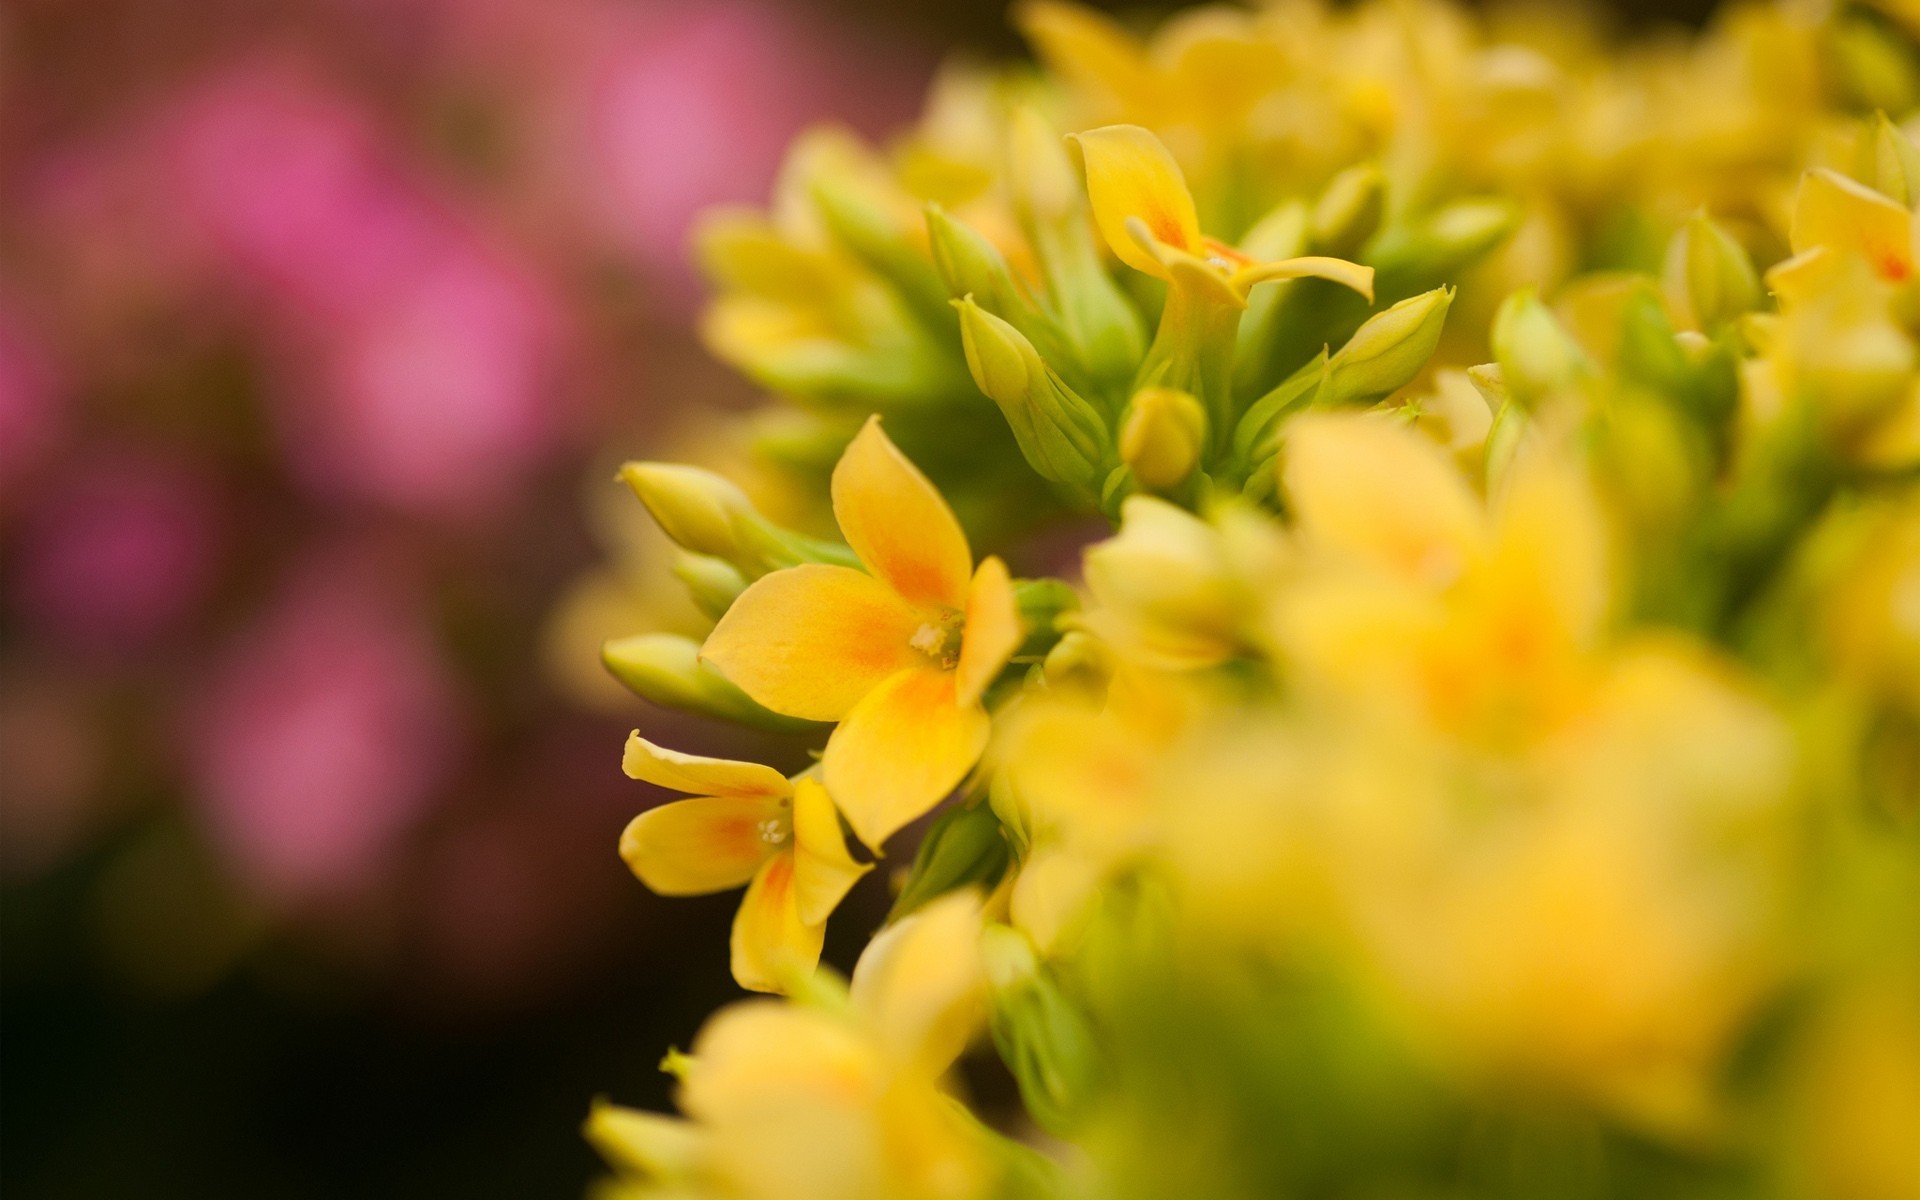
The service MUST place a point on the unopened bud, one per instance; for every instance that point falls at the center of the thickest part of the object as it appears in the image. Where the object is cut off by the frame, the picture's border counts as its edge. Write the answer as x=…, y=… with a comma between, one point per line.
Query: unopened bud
x=708, y=515
x=1079, y=660
x=1388, y=352
x=1892, y=163
x=1061, y=434
x=1162, y=437
x=971, y=265
x=863, y=224
x=1348, y=211
x=1425, y=253
x=1043, y=1037
x=1709, y=275
x=1041, y=603
x=665, y=669
x=1536, y=355
x=712, y=583
x=1039, y=173
x=963, y=847
x=702, y=512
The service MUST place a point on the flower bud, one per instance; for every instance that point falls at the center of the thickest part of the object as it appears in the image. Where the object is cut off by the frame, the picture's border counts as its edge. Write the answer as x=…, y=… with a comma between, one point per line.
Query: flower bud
x=1709, y=276
x=1892, y=165
x=665, y=669
x=1162, y=437
x=1348, y=211
x=1536, y=355
x=1041, y=603
x=964, y=846
x=1043, y=1037
x=972, y=266
x=1061, y=435
x=706, y=514
x=712, y=583
x=1039, y=172
x=702, y=512
x=1425, y=253
x=862, y=224
x=1387, y=352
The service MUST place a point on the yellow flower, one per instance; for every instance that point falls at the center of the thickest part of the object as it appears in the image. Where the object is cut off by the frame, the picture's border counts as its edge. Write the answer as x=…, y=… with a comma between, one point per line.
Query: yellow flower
x=837, y=1102
x=1833, y=218
x=899, y=655
x=746, y=824
x=1144, y=210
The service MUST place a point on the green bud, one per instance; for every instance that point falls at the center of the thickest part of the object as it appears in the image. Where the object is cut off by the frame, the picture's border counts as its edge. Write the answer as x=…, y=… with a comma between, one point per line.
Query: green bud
x=963, y=846
x=1387, y=352
x=1282, y=233
x=665, y=669
x=1536, y=355
x=1162, y=436
x=1061, y=435
x=1892, y=164
x=712, y=583
x=973, y=266
x=1434, y=249
x=1042, y=602
x=871, y=234
x=1348, y=211
x=708, y=515
x=1043, y=1037
x=1487, y=380
x=1254, y=437
x=1079, y=660
x=1872, y=62
x=1709, y=275
x=1509, y=429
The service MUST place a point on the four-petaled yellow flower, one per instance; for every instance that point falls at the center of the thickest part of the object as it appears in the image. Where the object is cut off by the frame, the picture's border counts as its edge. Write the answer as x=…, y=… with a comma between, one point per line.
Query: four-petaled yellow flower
x=899, y=656
x=746, y=824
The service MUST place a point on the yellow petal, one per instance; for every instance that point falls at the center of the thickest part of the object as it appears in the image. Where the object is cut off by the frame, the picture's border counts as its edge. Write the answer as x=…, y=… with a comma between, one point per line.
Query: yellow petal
x=920, y=984
x=823, y=870
x=901, y=751
x=771, y=944
x=699, y=776
x=1131, y=175
x=811, y=640
x=1091, y=50
x=761, y=1050
x=707, y=844
x=992, y=631
x=642, y=1143
x=1370, y=488
x=1337, y=270
x=1832, y=210
x=898, y=523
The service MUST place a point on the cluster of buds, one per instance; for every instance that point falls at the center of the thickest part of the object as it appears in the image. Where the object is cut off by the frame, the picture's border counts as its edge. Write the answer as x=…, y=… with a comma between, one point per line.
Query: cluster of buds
x=1479, y=758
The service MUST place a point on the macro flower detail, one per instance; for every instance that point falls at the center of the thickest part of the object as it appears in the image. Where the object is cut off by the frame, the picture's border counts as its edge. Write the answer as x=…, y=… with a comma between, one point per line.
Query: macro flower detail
x=744, y=824
x=900, y=654
x=1145, y=212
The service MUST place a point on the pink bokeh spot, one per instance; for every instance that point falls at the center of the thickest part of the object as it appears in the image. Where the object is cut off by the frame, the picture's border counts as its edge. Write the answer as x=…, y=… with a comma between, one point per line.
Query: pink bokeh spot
x=324, y=735
x=118, y=553
x=30, y=415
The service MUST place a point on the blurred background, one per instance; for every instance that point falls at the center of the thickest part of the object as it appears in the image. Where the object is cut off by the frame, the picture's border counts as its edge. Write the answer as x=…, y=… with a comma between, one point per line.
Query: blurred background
x=323, y=324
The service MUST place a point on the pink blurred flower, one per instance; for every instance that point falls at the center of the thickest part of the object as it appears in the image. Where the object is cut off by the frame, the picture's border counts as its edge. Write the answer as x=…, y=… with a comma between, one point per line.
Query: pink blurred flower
x=30, y=415
x=118, y=553
x=324, y=734
x=437, y=400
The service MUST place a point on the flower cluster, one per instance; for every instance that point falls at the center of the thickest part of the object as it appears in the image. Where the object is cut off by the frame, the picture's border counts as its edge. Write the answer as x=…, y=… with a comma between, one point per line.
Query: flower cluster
x=1481, y=756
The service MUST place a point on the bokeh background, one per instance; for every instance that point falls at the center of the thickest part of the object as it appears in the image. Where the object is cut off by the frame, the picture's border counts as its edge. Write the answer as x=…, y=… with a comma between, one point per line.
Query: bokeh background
x=322, y=326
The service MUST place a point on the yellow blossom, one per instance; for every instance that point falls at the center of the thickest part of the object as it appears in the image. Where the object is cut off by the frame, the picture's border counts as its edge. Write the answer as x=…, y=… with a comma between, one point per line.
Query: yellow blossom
x=899, y=655
x=747, y=824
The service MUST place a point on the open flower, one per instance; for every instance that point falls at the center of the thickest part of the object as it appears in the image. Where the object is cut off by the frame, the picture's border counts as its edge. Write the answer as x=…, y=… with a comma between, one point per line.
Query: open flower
x=1144, y=210
x=746, y=824
x=828, y=1102
x=899, y=656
